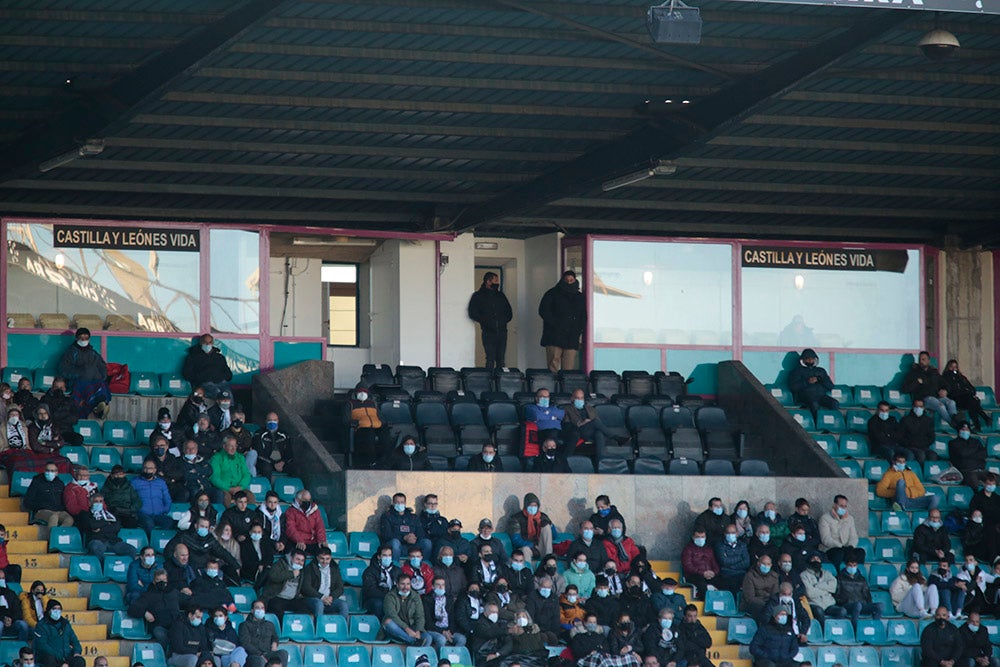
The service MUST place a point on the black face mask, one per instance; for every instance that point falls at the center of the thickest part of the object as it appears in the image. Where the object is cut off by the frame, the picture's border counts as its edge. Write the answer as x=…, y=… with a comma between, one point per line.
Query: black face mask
x=474, y=594
x=816, y=566
x=550, y=569
x=237, y=424
x=149, y=475
x=502, y=588
x=495, y=286
x=197, y=400
x=488, y=558
x=57, y=392
x=455, y=533
x=160, y=586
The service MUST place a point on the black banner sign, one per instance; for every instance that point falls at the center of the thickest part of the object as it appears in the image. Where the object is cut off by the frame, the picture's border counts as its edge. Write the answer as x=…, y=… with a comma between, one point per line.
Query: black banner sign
x=831, y=259
x=125, y=238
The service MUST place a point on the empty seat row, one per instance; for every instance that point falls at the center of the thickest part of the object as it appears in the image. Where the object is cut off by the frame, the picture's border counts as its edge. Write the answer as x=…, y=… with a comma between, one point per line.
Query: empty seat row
x=141, y=383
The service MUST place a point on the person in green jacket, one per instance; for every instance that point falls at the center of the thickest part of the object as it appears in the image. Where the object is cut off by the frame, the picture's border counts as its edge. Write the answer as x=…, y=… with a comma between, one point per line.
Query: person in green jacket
x=121, y=498
x=404, y=615
x=55, y=642
x=230, y=472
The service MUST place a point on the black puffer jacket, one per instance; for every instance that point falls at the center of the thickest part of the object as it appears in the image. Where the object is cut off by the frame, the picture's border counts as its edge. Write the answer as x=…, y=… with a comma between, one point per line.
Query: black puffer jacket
x=490, y=308
x=563, y=310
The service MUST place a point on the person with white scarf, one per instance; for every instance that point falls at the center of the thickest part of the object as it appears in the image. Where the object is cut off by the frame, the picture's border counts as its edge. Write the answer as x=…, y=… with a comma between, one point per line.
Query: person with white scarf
x=14, y=431
x=100, y=528
x=43, y=436
x=269, y=515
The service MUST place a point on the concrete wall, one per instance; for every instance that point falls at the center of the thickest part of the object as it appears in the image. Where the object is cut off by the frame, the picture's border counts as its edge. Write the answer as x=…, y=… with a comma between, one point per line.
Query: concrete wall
x=458, y=332
x=304, y=313
x=659, y=510
x=966, y=302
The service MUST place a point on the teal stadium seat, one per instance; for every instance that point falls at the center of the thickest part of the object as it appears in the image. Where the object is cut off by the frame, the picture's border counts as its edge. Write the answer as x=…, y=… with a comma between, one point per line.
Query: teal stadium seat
x=865, y=544
x=881, y=575
x=864, y=656
x=259, y=486
x=106, y=596
x=354, y=656
x=741, y=631
x=144, y=384
x=119, y=433
x=174, y=385
x=871, y=631
x=363, y=544
x=830, y=420
x=804, y=418
x=940, y=445
x=867, y=396
x=857, y=420
x=243, y=598
x=333, y=629
x=365, y=628
x=132, y=458
x=840, y=632
x=65, y=539
x=898, y=656
x=143, y=430
x=20, y=482
x=116, y=567
x=896, y=398
x=780, y=394
x=875, y=469
x=888, y=609
x=91, y=432
x=86, y=568
x=294, y=654
x=993, y=446
x=986, y=397
x=337, y=541
x=851, y=468
x=76, y=454
x=934, y=468
x=413, y=654
x=388, y=656
x=456, y=655
x=902, y=631
x=126, y=627
x=828, y=656
x=889, y=549
x=854, y=445
x=896, y=523
x=351, y=570
x=287, y=487
x=844, y=395
x=105, y=458
x=12, y=375
x=134, y=536
x=721, y=603
x=150, y=654
x=319, y=655
x=160, y=537
x=830, y=443
x=298, y=628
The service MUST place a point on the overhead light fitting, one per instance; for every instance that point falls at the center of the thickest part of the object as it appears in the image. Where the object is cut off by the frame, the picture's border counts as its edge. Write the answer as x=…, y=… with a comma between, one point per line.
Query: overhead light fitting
x=939, y=44
x=674, y=22
x=90, y=148
x=336, y=241
x=487, y=245
x=657, y=168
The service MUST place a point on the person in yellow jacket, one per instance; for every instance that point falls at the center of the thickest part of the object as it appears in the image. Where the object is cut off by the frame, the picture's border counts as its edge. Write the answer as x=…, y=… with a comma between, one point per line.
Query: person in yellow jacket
x=903, y=487
x=33, y=603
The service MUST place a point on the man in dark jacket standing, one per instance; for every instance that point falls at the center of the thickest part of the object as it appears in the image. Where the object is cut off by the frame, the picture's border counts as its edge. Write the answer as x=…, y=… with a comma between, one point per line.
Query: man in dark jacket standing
x=491, y=309
x=940, y=642
x=563, y=310
x=810, y=384
x=205, y=367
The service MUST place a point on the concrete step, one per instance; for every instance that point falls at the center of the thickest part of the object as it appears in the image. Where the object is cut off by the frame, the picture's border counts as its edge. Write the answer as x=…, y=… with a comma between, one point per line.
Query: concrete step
x=38, y=560
x=126, y=660
x=15, y=517
x=85, y=632
x=24, y=546
x=22, y=531
x=9, y=504
x=92, y=649
x=50, y=574
x=83, y=617
x=72, y=603
x=64, y=590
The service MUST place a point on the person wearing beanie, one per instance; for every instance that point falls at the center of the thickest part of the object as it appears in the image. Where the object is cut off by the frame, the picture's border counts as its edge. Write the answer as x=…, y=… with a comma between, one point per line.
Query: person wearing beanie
x=85, y=369
x=810, y=384
x=55, y=642
x=167, y=429
x=531, y=529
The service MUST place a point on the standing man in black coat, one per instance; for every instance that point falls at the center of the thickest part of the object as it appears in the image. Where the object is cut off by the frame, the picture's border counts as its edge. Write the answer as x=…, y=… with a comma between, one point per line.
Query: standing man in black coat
x=491, y=309
x=563, y=310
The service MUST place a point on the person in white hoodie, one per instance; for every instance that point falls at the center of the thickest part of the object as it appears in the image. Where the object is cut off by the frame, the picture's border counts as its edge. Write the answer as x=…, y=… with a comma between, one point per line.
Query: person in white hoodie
x=911, y=595
x=838, y=536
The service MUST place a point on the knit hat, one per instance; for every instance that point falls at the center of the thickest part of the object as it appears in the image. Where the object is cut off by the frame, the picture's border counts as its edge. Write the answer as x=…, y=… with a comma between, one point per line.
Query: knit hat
x=53, y=603
x=82, y=331
x=808, y=353
x=485, y=523
x=530, y=498
x=163, y=412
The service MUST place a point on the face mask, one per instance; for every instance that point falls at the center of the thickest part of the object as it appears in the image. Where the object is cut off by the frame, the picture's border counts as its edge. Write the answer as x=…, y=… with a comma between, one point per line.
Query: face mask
x=580, y=565
x=195, y=428
x=386, y=561
x=765, y=538
x=973, y=628
x=977, y=519
x=195, y=622
x=549, y=570
x=591, y=627
x=256, y=537
x=665, y=623
x=578, y=403
x=220, y=621
x=488, y=458
x=224, y=405
x=545, y=592
x=782, y=619
x=474, y=593
x=3, y=583
x=964, y=435
x=399, y=507
x=296, y=566
x=851, y=570
x=83, y=343
x=699, y=541
x=439, y=592
x=543, y=402
x=203, y=532
x=187, y=457
x=493, y=617
x=770, y=514
x=602, y=592
x=197, y=400
x=304, y=505
x=942, y=622
x=484, y=536
x=588, y=534
x=211, y=574
x=50, y=476
x=918, y=411
x=572, y=599
x=98, y=507
x=765, y=569
x=415, y=563
x=362, y=396
x=501, y=588
x=522, y=622
x=801, y=537
x=160, y=586
x=517, y=566
x=272, y=426
x=616, y=533
x=784, y=599
x=55, y=614
x=447, y=560
x=610, y=571
x=841, y=511
x=7, y=395
x=38, y=594
x=730, y=538
x=532, y=510
x=742, y=514
x=237, y=424
x=550, y=454
x=149, y=475
x=971, y=567
x=258, y=614
x=786, y=567
x=668, y=591
x=815, y=566
x=717, y=511
x=935, y=524
x=899, y=467
x=409, y=449
x=990, y=488
x=202, y=504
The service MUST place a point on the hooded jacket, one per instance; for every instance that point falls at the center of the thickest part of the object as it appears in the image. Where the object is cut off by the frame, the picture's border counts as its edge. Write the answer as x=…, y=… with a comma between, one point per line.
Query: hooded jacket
x=121, y=497
x=153, y=495
x=921, y=382
x=83, y=364
x=518, y=522
x=201, y=366
x=798, y=379
x=56, y=639
x=563, y=310
x=305, y=527
x=774, y=642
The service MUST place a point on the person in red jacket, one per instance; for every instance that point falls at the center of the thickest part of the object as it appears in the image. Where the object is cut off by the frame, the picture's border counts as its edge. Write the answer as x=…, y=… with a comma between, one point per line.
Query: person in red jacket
x=76, y=496
x=621, y=549
x=699, y=564
x=421, y=574
x=304, y=525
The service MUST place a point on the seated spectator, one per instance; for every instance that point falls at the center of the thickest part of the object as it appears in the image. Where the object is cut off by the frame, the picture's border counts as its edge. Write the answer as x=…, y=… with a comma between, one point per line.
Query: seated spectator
x=439, y=615
x=140, y=574
x=916, y=431
x=903, y=486
x=759, y=584
x=304, y=524
x=579, y=575
x=486, y=569
x=159, y=606
x=371, y=438
x=712, y=522
x=547, y=418
x=239, y=516
x=543, y=605
x=802, y=518
x=733, y=559
x=12, y=571
x=590, y=546
x=486, y=460
x=403, y=619
x=259, y=638
x=774, y=644
x=940, y=642
x=85, y=370
x=977, y=650
x=531, y=529
x=911, y=595
x=602, y=604
x=24, y=396
x=283, y=591
x=230, y=473
x=571, y=606
x=271, y=451
x=222, y=635
x=522, y=581
x=378, y=579
x=451, y=571
x=227, y=539
x=968, y=454
x=549, y=459
x=587, y=639
x=923, y=381
x=667, y=597
x=15, y=432
x=931, y=542
x=616, y=584
x=33, y=603
x=400, y=528
x=257, y=554
x=548, y=567
x=407, y=456
x=699, y=565
x=221, y=414
x=461, y=548
x=636, y=603
x=76, y=496
x=527, y=636
x=99, y=529
x=975, y=580
x=201, y=507
x=485, y=536
x=237, y=429
x=201, y=546
x=660, y=641
x=854, y=595
x=695, y=639
x=43, y=436
x=206, y=367
x=798, y=618
x=581, y=422
x=620, y=548
x=421, y=574
x=810, y=384
x=121, y=498
x=62, y=410
x=490, y=638
x=820, y=589
x=741, y=519
x=45, y=498
x=172, y=469
x=838, y=534
x=155, y=499
x=885, y=435
x=761, y=545
x=202, y=433
x=180, y=573
x=605, y=514
x=208, y=590
x=11, y=613
x=986, y=502
x=188, y=640
x=192, y=408
x=625, y=638
x=770, y=517
x=468, y=608
x=55, y=642
x=269, y=516
x=950, y=590
x=168, y=431
x=787, y=572
x=963, y=392
x=435, y=524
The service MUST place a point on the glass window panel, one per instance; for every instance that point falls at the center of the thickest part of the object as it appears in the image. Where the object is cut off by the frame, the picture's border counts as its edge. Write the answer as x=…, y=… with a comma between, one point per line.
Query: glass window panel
x=341, y=288
x=662, y=293
x=149, y=290
x=833, y=309
x=235, y=284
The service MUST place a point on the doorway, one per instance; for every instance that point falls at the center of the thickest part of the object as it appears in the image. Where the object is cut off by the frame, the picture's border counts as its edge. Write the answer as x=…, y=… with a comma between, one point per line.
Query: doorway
x=508, y=285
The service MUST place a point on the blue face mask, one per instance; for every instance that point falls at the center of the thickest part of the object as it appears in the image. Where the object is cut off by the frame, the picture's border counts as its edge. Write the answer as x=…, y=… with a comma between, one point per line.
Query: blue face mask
x=386, y=561
x=447, y=560
x=851, y=570
x=258, y=614
x=98, y=507
x=801, y=537
x=602, y=592
x=580, y=565
x=604, y=512
x=439, y=592
x=616, y=533
x=206, y=348
x=55, y=614
x=202, y=532
x=934, y=524
x=770, y=514
x=50, y=476
x=741, y=514
x=884, y=416
x=517, y=565
x=782, y=619
x=765, y=538
x=665, y=623
x=545, y=592
x=532, y=509
x=588, y=534
x=409, y=449
x=765, y=569
x=211, y=574
x=399, y=507
x=148, y=561
x=415, y=563
x=964, y=435
x=488, y=458
x=578, y=403
x=699, y=541
x=841, y=511
x=730, y=538
x=195, y=622
x=543, y=402
x=272, y=426
x=918, y=411
x=717, y=511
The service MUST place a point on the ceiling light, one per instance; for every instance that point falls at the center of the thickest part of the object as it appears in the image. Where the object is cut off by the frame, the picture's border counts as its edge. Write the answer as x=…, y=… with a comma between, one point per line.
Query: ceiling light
x=89, y=149
x=939, y=44
x=657, y=168
x=339, y=241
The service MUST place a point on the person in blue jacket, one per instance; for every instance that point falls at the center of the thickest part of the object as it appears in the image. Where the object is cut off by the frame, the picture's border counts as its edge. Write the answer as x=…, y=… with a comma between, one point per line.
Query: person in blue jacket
x=400, y=527
x=155, y=499
x=774, y=645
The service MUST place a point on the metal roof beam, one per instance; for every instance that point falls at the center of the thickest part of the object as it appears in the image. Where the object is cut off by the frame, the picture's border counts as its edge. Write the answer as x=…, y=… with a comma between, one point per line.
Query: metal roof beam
x=892, y=124
x=730, y=185
x=666, y=137
x=867, y=146
x=836, y=168
x=95, y=114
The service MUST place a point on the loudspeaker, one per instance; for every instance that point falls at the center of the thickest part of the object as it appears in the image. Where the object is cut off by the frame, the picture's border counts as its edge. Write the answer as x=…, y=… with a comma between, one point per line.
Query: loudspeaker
x=679, y=25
